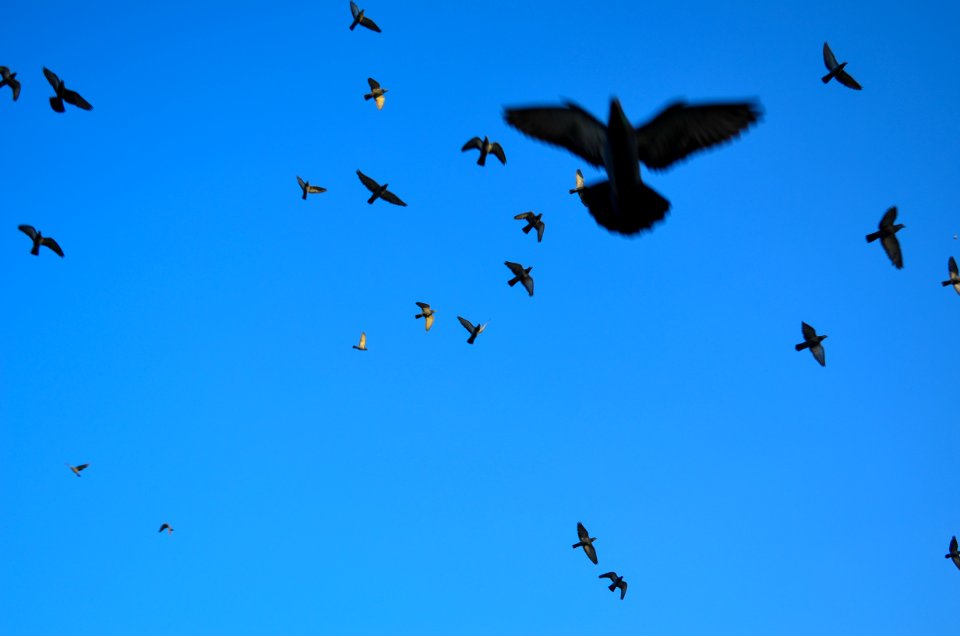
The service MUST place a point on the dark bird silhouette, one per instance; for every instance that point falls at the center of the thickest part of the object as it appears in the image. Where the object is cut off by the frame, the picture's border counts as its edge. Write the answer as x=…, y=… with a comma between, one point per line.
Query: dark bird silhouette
x=474, y=331
x=363, y=342
x=376, y=93
x=426, y=314
x=64, y=94
x=77, y=469
x=837, y=71
x=166, y=527
x=520, y=275
x=485, y=146
x=954, y=554
x=954, y=276
x=361, y=19
x=10, y=79
x=309, y=189
x=580, y=187
x=888, y=237
x=586, y=542
x=533, y=221
x=617, y=582
x=812, y=341
x=379, y=191
x=39, y=239
x=624, y=204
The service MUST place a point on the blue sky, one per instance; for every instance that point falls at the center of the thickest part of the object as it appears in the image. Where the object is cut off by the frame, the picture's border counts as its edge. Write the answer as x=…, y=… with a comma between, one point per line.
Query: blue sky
x=194, y=345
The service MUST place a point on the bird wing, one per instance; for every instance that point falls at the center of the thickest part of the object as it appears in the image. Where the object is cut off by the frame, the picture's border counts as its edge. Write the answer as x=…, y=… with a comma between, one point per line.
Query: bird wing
x=623, y=589
x=497, y=151
x=423, y=305
x=952, y=266
x=52, y=244
x=466, y=324
x=380, y=100
x=74, y=98
x=680, y=130
x=315, y=189
x=428, y=321
x=373, y=83
x=892, y=247
x=363, y=340
x=516, y=268
x=4, y=71
x=582, y=532
x=808, y=331
x=524, y=215
x=390, y=197
x=163, y=527
x=591, y=552
x=828, y=57
x=889, y=218
x=528, y=283
x=301, y=182
x=370, y=24
x=476, y=142
x=541, y=226
x=15, y=85
x=569, y=127
x=51, y=77
x=609, y=575
x=819, y=354
x=354, y=9
x=370, y=184
x=29, y=231
x=81, y=467
x=953, y=544
x=847, y=80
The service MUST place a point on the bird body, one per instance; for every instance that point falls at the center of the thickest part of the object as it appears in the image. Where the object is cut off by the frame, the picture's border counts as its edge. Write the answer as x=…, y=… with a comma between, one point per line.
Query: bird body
x=39, y=239
x=533, y=221
x=309, y=189
x=166, y=527
x=812, y=341
x=474, y=330
x=586, y=542
x=887, y=233
x=520, y=275
x=63, y=94
x=954, y=275
x=954, y=553
x=427, y=315
x=837, y=70
x=10, y=79
x=363, y=342
x=617, y=582
x=376, y=93
x=359, y=17
x=486, y=147
x=379, y=191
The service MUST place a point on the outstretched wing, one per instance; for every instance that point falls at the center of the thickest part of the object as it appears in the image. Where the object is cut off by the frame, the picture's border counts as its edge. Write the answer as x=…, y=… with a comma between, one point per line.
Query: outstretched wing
x=892, y=247
x=889, y=218
x=541, y=226
x=74, y=98
x=423, y=305
x=428, y=322
x=369, y=183
x=623, y=589
x=516, y=268
x=29, y=231
x=847, y=80
x=51, y=77
x=952, y=266
x=476, y=142
x=819, y=354
x=466, y=324
x=354, y=9
x=582, y=532
x=608, y=575
x=315, y=189
x=390, y=197
x=569, y=127
x=302, y=183
x=370, y=24
x=808, y=331
x=828, y=57
x=49, y=242
x=524, y=216
x=373, y=83
x=497, y=151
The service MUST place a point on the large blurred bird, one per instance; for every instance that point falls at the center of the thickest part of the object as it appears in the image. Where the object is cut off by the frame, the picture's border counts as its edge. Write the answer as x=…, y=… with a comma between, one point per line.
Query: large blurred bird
x=485, y=146
x=887, y=233
x=39, y=239
x=10, y=79
x=837, y=70
x=63, y=94
x=361, y=19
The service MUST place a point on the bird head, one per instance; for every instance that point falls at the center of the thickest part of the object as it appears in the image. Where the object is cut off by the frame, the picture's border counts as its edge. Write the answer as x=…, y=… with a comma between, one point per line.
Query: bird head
x=898, y=227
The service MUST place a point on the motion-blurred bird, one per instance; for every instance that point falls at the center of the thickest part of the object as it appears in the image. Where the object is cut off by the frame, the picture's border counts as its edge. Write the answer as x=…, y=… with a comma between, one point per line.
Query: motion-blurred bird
x=426, y=314
x=580, y=187
x=64, y=94
x=485, y=146
x=624, y=204
x=376, y=93
x=533, y=221
x=812, y=341
x=586, y=542
x=77, y=469
x=954, y=276
x=361, y=19
x=474, y=331
x=888, y=237
x=954, y=554
x=837, y=70
x=363, y=342
x=39, y=239
x=166, y=527
x=10, y=79
x=617, y=582
x=379, y=191
x=520, y=275
x=309, y=189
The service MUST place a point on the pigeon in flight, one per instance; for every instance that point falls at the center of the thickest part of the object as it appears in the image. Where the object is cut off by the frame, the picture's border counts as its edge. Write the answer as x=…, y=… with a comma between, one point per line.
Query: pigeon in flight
x=617, y=582
x=474, y=331
x=485, y=146
x=64, y=94
x=954, y=276
x=586, y=542
x=812, y=341
x=533, y=221
x=837, y=70
x=77, y=469
x=888, y=237
x=361, y=19
x=379, y=191
x=954, y=554
x=426, y=314
x=624, y=204
x=520, y=275
x=10, y=79
x=166, y=527
x=309, y=189
x=39, y=239
x=376, y=93
x=363, y=342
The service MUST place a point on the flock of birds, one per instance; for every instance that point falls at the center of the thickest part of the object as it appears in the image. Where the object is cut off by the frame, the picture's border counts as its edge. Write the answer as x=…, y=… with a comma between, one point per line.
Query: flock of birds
x=622, y=204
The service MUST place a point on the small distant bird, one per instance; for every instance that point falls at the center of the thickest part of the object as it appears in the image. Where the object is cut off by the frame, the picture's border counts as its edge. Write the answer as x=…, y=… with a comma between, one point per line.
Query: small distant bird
x=376, y=93
x=485, y=146
x=363, y=342
x=617, y=582
x=533, y=221
x=166, y=527
x=361, y=19
x=379, y=191
x=954, y=554
x=812, y=341
x=10, y=79
x=474, y=331
x=520, y=275
x=837, y=70
x=888, y=237
x=77, y=469
x=580, y=187
x=39, y=239
x=309, y=189
x=427, y=315
x=954, y=276
x=64, y=94
x=586, y=542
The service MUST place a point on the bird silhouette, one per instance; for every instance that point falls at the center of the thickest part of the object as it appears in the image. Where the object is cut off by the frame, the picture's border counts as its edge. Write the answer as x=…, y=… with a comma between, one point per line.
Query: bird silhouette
x=361, y=19
x=63, y=94
x=309, y=189
x=533, y=221
x=485, y=146
x=520, y=275
x=837, y=71
x=888, y=237
x=77, y=469
x=474, y=331
x=586, y=542
x=10, y=79
x=363, y=342
x=39, y=239
x=954, y=275
x=379, y=191
x=812, y=341
x=617, y=582
x=427, y=315
x=376, y=93
x=166, y=527
x=954, y=554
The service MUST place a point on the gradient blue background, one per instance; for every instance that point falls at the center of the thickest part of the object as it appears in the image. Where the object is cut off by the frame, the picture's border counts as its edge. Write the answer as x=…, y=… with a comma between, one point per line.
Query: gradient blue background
x=194, y=346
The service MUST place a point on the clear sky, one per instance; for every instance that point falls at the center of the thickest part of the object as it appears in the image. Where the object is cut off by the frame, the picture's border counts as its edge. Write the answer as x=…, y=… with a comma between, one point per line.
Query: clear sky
x=194, y=345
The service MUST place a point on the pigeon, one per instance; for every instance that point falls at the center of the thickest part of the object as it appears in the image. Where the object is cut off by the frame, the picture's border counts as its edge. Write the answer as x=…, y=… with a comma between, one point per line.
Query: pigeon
x=309, y=189
x=363, y=342
x=812, y=341
x=485, y=146
x=887, y=235
x=474, y=331
x=361, y=19
x=624, y=204
x=520, y=275
x=837, y=70
x=617, y=582
x=580, y=188
x=166, y=527
x=954, y=276
x=64, y=94
x=533, y=221
x=376, y=93
x=10, y=79
x=379, y=191
x=586, y=542
x=77, y=469
x=954, y=554
x=39, y=239
x=426, y=314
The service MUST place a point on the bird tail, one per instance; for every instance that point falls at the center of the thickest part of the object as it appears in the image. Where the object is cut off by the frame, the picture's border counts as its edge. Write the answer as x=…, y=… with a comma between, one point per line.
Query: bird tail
x=472, y=337
x=368, y=96
x=419, y=316
x=826, y=78
x=36, y=249
x=947, y=283
x=372, y=199
x=630, y=213
x=873, y=237
x=574, y=190
x=56, y=104
x=527, y=229
x=354, y=25
x=612, y=587
x=578, y=544
x=801, y=346
x=483, y=159
x=514, y=281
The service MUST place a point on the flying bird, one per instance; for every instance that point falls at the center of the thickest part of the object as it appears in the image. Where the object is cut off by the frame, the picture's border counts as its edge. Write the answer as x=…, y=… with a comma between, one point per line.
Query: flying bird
x=533, y=221
x=363, y=342
x=837, y=71
x=64, y=94
x=166, y=527
x=520, y=275
x=812, y=341
x=624, y=204
x=954, y=554
x=474, y=331
x=888, y=237
x=586, y=542
x=376, y=93
x=379, y=191
x=617, y=582
x=361, y=19
x=39, y=239
x=954, y=276
x=426, y=314
x=10, y=79
x=485, y=146
x=77, y=469
x=309, y=189
x=580, y=188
